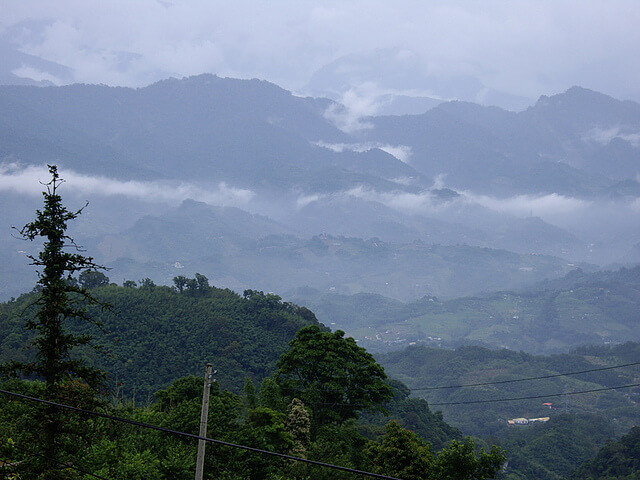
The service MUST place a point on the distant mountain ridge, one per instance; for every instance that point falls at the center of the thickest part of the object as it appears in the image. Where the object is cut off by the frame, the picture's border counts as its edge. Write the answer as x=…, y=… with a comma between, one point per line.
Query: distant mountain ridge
x=560, y=145
x=203, y=127
x=459, y=174
x=247, y=130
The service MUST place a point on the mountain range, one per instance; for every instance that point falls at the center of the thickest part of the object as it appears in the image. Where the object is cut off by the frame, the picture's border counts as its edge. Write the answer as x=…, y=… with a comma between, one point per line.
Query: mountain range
x=185, y=171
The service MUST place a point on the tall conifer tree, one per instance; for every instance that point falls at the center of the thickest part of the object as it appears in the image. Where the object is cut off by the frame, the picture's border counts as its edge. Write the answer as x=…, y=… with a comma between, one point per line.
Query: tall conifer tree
x=59, y=299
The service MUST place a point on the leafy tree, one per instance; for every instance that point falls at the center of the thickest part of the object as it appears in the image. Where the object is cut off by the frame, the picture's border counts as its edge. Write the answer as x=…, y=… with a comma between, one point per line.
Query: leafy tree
x=116, y=462
x=249, y=391
x=202, y=282
x=342, y=445
x=92, y=279
x=180, y=282
x=147, y=284
x=298, y=424
x=459, y=462
x=331, y=374
x=403, y=454
x=270, y=395
x=195, y=286
x=265, y=428
x=59, y=299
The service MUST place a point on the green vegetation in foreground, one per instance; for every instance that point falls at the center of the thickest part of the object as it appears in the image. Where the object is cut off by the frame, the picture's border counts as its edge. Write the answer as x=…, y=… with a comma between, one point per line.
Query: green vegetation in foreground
x=259, y=418
x=271, y=418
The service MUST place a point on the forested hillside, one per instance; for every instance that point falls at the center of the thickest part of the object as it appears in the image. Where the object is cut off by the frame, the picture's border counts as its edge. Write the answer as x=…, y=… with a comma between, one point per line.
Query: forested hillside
x=578, y=392
x=554, y=316
x=150, y=335
x=305, y=392
x=615, y=461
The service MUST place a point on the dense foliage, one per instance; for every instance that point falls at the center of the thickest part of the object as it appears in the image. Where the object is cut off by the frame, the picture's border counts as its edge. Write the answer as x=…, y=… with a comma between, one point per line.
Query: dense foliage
x=154, y=334
x=615, y=461
x=261, y=418
x=147, y=336
x=333, y=374
x=579, y=424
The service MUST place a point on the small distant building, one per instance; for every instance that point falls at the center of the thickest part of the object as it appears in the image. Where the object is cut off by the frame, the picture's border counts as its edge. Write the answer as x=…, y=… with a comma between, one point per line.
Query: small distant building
x=539, y=419
x=518, y=421
x=527, y=421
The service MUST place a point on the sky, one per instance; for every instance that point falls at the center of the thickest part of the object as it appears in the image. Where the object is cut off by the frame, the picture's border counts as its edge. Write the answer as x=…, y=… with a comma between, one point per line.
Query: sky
x=524, y=48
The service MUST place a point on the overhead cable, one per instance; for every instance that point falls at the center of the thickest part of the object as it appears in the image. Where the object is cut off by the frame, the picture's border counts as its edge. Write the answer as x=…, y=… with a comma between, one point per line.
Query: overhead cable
x=488, y=401
x=499, y=382
x=195, y=437
x=534, y=396
x=526, y=379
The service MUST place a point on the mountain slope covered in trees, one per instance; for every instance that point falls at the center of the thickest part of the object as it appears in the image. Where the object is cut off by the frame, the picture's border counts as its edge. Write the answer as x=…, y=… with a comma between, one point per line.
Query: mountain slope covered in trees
x=152, y=335
x=615, y=461
x=155, y=342
x=496, y=391
x=553, y=316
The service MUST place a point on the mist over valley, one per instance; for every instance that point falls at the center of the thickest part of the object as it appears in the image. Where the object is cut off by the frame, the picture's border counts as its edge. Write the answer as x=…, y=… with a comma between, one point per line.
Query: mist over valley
x=256, y=187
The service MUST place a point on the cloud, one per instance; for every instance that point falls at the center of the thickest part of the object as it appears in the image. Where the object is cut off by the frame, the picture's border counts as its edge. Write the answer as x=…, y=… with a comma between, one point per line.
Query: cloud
x=350, y=115
x=528, y=48
x=438, y=181
x=544, y=206
x=34, y=74
x=304, y=200
x=554, y=208
x=422, y=203
x=604, y=135
x=401, y=152
x=29, y=181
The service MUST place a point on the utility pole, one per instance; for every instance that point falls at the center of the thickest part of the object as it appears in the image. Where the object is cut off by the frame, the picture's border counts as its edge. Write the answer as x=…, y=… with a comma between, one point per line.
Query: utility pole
x=204, y=414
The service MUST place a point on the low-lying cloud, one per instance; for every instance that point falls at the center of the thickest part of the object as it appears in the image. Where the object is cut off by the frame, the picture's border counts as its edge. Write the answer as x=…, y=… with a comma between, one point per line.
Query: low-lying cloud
x=351, y=114
x=603, y=136
x=553, y=208
x=30, y=180
x=413, y=203
x=401, y=152
x=544, y=206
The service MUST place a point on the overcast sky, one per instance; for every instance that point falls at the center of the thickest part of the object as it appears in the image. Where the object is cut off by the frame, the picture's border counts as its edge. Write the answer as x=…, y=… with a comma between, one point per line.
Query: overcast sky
x=526, y=48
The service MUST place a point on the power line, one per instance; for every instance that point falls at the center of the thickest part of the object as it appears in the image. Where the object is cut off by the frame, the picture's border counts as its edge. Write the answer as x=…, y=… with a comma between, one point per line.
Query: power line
x=196, y=437
x=499, y=382
x=492, y=400
x=535, y=396
x=525, y=379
